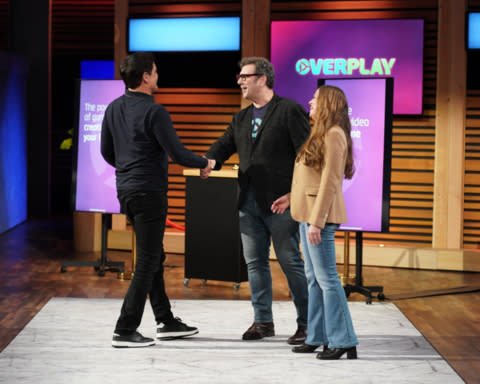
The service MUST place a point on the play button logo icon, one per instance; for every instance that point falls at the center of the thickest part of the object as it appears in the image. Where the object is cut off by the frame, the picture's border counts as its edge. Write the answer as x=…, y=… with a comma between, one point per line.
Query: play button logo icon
x=302, y=66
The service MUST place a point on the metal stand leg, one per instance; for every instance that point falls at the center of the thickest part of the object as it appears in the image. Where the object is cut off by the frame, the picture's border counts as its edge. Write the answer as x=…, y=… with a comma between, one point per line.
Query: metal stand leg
x=358, y=287
x=103, y=265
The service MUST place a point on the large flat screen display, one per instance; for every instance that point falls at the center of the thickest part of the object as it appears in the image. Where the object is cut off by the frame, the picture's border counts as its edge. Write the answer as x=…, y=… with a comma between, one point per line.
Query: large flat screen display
x=184, y=34
x=94, y=179
x=367, y=194
x=473, y=30
x=190, y=52
x=303, y=51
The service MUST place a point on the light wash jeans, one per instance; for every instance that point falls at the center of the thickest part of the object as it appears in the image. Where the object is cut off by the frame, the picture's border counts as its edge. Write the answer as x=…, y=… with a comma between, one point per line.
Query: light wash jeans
x=257, y=227
x=329, y=320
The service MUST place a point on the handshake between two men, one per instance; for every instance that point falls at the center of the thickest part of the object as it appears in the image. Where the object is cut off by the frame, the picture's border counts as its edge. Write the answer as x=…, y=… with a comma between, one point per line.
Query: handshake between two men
x=205, y=172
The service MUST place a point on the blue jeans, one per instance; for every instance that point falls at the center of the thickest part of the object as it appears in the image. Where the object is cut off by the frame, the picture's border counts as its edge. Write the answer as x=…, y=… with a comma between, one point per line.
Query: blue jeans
x=147, y=212
x=329, y=320
x=257, y=227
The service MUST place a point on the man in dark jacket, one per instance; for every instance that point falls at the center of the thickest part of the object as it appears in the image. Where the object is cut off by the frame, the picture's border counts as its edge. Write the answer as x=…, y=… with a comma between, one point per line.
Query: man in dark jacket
x=267, y=136
x=137, y=138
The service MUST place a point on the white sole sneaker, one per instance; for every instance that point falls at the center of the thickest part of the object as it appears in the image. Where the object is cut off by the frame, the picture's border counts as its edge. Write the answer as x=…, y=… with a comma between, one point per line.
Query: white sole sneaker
x=135, y=340
x=130, y=344
x=175, y=335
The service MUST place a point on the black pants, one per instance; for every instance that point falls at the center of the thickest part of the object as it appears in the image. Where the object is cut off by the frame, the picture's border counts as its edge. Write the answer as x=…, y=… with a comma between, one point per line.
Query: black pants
x=147, y=212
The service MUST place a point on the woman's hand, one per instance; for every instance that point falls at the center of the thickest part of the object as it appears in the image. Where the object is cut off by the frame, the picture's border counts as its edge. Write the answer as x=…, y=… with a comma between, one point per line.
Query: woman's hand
x=314, y=235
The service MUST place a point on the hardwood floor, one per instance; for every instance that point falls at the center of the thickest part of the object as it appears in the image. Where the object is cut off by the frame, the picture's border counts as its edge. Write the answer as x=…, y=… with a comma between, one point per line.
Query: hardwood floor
x=443, y=306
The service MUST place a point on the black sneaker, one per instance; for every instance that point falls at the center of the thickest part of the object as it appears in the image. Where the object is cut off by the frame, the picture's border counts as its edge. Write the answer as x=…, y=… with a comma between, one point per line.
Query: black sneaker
x=175, y=329
x=135, y=340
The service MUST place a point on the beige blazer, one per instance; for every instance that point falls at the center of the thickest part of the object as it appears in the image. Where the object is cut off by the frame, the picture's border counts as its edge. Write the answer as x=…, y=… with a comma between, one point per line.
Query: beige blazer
x=316, y=196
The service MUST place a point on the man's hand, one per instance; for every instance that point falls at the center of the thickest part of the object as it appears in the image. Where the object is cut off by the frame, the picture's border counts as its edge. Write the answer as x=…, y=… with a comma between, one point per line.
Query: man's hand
x=281, y=204
x=205, y=172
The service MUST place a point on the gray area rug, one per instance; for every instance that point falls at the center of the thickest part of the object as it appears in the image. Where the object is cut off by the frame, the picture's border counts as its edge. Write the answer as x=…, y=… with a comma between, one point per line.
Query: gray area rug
x=69, y=341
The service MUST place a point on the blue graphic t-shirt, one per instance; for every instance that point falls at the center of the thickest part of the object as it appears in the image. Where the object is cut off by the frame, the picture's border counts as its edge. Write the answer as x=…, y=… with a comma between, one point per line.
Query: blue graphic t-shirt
x=257, y=117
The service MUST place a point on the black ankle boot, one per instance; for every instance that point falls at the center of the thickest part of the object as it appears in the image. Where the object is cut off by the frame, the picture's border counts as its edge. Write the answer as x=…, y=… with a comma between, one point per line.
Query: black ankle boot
x=305, y=348
x=336, y=353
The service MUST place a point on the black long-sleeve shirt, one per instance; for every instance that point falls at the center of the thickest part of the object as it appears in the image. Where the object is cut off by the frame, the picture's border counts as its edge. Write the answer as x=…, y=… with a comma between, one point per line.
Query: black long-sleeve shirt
x=137, y=138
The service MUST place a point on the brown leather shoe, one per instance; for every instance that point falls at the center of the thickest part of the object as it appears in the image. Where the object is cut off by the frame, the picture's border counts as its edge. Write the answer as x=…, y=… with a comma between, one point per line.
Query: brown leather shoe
x=299, y=336
x=259, y=331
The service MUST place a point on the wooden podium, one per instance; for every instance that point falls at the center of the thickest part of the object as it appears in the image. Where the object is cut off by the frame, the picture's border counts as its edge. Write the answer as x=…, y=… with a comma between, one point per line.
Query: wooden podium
x=213, y=248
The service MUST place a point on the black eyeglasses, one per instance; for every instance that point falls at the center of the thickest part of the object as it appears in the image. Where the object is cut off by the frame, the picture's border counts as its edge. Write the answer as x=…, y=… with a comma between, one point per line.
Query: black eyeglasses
x=244, y=76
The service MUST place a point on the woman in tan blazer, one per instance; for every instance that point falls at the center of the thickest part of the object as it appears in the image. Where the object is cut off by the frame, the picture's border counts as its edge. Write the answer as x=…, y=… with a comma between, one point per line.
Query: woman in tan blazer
x=317, y=203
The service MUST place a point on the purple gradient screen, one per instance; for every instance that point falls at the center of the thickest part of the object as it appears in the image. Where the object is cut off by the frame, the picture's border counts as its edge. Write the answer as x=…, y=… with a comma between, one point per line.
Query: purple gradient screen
x=95, y=180
x=364, y=192
x=303, y=51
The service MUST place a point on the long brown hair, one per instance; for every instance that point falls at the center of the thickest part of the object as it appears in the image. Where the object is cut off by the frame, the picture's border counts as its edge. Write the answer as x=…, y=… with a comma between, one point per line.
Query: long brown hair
x=331, y=109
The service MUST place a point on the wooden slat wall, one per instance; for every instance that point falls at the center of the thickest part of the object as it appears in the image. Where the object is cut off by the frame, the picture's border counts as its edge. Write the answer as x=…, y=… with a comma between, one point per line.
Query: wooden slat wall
x=83, y=27
x=471, y=219
x=200, y=117
x=471, y=228
x=189, y=8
